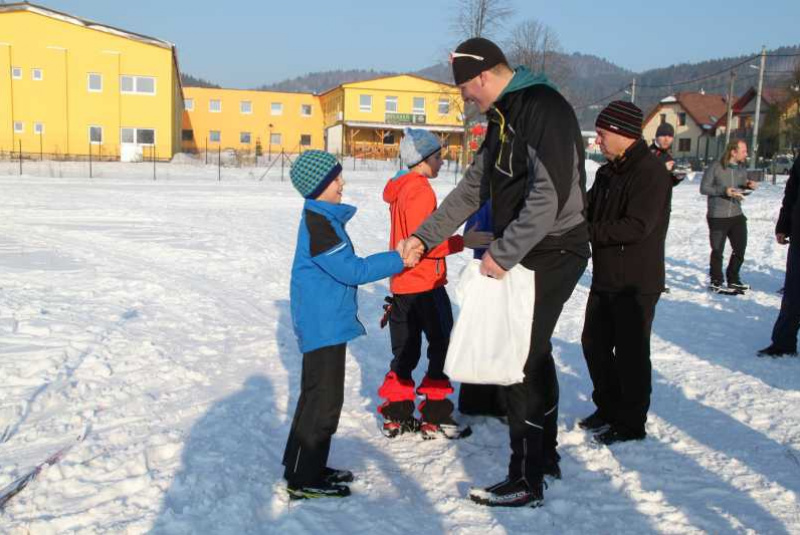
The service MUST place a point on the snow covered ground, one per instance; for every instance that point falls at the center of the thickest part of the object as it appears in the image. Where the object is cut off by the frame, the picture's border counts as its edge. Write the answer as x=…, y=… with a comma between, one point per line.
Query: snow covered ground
x=153, y=317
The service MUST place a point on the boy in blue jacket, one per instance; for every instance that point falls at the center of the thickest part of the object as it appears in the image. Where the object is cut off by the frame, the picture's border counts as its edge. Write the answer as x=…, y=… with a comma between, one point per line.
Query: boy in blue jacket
x=325, y=276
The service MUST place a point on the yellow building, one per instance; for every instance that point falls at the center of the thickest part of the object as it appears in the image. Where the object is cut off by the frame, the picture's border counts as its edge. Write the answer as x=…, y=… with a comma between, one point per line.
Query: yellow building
x=238, y=119
x=365, y=118
x=70, y=86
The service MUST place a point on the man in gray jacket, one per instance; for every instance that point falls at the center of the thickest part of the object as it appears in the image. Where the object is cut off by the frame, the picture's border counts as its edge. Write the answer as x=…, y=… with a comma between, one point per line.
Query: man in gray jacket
x=726, y=184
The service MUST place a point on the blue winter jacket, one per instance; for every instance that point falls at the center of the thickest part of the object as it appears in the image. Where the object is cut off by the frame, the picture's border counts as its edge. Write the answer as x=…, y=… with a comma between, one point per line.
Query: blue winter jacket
x=325, y=276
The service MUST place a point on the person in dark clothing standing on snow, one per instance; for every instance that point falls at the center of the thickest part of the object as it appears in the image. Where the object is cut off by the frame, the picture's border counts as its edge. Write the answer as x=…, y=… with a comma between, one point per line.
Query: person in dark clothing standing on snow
x=628, y=219
x=784, y=333
x=665, y=134
x=725, y=183
x=530, y=167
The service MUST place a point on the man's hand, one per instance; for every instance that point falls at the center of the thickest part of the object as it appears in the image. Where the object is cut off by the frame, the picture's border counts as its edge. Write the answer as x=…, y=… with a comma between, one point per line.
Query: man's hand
x=474, y=239
x=733, y=193
x=490, y=268
x=751, y=185
x=670, y=165
x=411, y=249
x=782, y=238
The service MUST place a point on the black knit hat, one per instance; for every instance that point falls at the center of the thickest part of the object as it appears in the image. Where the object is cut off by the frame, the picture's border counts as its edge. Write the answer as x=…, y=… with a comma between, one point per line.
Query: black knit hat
x=474, y=56
x=665, y=129
x=621, y=117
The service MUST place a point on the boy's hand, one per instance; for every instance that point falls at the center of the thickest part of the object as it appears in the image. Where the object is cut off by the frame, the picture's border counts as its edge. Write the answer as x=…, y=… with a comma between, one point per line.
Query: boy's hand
x=490, y=268
x=733, y=193
x=781, y=238
x=475, y=239
x=751, y=184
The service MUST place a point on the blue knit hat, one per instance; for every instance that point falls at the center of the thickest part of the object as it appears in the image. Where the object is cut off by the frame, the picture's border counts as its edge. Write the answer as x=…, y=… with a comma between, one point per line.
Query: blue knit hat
x=417, y=145
x=313, y=171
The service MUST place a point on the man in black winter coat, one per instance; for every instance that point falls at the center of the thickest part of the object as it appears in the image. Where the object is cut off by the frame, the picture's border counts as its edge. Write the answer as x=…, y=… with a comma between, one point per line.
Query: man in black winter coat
x=628, y=218
x=665, y=134
x=784, y=333
x=530, y=167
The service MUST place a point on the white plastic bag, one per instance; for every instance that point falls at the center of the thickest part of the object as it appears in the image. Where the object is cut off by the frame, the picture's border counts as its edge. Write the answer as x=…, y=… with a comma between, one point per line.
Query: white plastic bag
x=491, y=337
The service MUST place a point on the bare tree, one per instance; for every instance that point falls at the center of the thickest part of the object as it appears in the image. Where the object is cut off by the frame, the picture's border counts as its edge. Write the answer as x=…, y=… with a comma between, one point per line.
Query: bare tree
x=792, y=126
x=536, y=46
x=480, y=18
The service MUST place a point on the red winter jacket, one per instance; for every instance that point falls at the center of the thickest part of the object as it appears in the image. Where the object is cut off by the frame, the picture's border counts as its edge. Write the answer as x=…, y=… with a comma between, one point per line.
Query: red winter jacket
x=411, y=200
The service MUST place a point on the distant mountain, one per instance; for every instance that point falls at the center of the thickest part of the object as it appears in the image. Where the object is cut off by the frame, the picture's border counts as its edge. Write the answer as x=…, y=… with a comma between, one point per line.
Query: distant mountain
x=319, y=82
x=190, y=81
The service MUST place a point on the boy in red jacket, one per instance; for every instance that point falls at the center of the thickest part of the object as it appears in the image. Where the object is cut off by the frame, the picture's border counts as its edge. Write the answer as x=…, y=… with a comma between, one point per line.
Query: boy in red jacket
x=420, y=303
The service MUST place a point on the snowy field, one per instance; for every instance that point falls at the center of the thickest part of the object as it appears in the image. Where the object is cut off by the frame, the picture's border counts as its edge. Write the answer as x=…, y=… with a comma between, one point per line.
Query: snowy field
x=152, y=317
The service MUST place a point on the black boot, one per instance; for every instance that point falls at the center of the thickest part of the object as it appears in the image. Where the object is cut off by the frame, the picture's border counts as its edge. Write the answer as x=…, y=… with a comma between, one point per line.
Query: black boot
x=323, y=489
x=774, y=351
x=510, y=494
x=333, y=476
x=614, y=434
x=593, y=422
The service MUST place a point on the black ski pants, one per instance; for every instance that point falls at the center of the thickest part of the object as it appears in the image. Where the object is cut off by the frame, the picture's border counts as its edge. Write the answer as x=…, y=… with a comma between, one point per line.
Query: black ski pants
x=411, y=316
x=532, y=405
x=722, y=229
x=616, y=345
x=316, y=416
x=784, y=333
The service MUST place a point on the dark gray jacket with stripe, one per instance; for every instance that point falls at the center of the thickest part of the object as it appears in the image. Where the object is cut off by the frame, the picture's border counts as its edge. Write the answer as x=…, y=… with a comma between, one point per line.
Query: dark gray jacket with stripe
x=531, y=168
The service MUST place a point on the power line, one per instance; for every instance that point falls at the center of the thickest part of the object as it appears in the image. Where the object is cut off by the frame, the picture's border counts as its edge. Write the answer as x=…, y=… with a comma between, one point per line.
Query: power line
x=598, y=101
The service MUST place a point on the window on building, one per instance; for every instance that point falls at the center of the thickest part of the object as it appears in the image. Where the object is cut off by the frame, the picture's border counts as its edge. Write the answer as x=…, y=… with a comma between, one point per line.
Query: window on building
x=16, y=73
x=276, y=108
x=684, y=145
x=215, y=106
x=391, y=104
x=275, y=139
x=188, y=104
x=187, y=135
x=144, y=85
x=389, y=139
x=419, y=105
x=682, y=119
x=37, y=75
x=444, y=106
x=244, y=137
x=214, y=136
x=38, y=128
x=145, y=136
x=305, y=110
x=95, y=135
x=246, y=107
x=19, y=127
x=365, y=102
x=305, y=140
x=127, y=135
x=94, y=82
x=663, y=118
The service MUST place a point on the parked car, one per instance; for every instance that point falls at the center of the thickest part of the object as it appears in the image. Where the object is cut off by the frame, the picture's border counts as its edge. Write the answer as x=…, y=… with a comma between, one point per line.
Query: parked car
x=783, y=164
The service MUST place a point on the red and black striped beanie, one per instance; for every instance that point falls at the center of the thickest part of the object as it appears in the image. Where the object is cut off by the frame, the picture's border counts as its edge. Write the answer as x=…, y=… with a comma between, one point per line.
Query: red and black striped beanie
x=621, y=117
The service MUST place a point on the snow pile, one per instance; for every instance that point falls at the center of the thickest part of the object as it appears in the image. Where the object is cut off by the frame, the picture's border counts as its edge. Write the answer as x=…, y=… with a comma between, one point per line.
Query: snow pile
x=153, y=316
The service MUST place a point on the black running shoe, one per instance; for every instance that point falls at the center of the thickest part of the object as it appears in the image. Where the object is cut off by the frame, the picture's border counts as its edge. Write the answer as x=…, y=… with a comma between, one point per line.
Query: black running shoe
x=593, y=422
x=509, y=494
x=613, y=435
x=321, y=490
x=776, y=352
x=739, y=286
x=333, y=476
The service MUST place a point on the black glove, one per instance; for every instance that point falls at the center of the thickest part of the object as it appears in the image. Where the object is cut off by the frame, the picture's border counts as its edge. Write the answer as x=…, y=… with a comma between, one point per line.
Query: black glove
x=476, y=239
x=387, y=309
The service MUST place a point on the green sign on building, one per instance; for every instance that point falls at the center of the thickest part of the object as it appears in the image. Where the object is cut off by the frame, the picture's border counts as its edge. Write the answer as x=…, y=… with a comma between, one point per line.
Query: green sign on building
x=405, y=118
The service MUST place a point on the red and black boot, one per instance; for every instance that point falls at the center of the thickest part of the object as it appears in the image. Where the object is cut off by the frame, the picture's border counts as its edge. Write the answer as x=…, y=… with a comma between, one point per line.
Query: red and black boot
x=437, y=411
x=398, y=409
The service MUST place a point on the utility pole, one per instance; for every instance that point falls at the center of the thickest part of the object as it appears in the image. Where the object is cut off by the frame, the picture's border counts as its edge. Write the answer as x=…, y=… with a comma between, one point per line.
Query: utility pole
x=758, y=106
x=633, y=92
x=729, y=122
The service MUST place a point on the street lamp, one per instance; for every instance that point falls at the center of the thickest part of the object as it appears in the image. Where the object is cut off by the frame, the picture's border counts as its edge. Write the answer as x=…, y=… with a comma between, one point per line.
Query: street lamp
x=269, y=151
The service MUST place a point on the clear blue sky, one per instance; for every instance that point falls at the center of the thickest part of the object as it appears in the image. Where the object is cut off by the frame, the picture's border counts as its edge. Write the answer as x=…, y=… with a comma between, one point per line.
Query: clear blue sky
x=244, y=43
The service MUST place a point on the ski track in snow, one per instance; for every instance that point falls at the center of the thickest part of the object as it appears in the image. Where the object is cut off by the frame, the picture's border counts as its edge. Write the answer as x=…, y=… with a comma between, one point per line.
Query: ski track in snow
x=156, y=316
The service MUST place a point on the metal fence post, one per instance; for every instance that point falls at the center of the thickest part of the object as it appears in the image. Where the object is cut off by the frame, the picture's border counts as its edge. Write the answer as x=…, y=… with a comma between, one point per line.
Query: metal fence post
x=155, y=153
x=90, y=159
x=20, y=157
x=219, y=163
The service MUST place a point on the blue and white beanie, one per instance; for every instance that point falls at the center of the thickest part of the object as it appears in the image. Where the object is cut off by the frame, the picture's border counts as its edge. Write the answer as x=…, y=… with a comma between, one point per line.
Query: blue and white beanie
x=417, y=145
x=313, y=171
